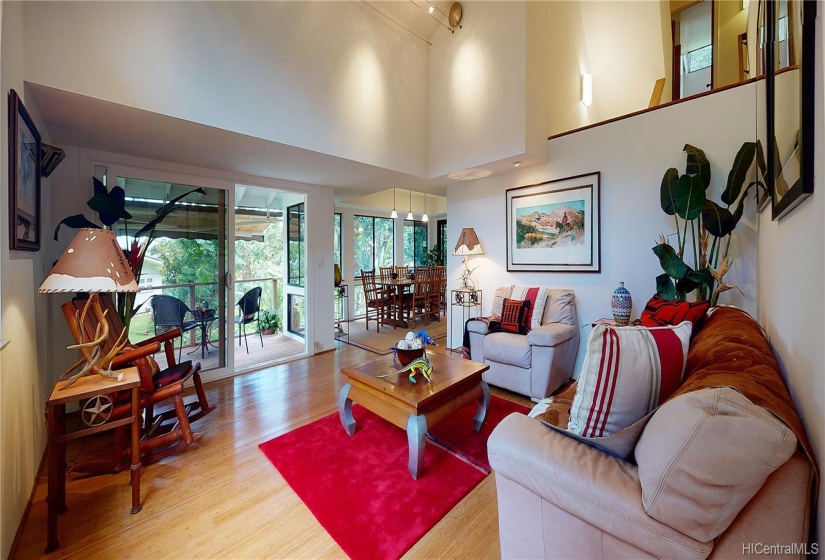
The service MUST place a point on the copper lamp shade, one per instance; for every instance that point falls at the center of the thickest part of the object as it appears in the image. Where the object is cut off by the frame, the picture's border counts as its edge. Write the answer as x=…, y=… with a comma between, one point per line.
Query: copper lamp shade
x=468, y=243
x=93, y=262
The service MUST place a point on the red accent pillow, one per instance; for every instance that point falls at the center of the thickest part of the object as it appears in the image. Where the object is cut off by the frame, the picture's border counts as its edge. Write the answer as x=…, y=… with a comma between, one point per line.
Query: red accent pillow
x=660, y=312
x=515, y=316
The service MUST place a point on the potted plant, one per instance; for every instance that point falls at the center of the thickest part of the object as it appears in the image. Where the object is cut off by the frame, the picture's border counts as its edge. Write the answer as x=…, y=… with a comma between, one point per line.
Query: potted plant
x=270, y=322
x=703, y=227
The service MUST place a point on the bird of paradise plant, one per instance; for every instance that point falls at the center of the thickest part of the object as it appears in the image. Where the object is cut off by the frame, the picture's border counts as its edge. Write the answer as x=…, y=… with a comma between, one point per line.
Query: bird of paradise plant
x=699, y=219
x=110, y=206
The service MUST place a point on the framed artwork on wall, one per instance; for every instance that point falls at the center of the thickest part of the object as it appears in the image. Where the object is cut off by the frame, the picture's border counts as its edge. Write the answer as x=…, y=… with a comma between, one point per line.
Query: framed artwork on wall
x=554, y=226
x=24, y=178
x=790, y=93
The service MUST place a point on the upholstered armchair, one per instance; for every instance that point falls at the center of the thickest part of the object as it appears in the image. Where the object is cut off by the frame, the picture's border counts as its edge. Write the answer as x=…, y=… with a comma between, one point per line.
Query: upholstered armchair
x=534, y=364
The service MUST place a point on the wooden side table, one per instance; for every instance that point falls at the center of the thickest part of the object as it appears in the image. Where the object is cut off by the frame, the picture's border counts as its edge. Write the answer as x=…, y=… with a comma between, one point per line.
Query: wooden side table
x=94, y=418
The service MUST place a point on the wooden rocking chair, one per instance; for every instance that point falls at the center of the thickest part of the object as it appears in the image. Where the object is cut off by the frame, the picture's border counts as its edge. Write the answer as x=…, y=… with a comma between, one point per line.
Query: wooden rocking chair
x=162, y=434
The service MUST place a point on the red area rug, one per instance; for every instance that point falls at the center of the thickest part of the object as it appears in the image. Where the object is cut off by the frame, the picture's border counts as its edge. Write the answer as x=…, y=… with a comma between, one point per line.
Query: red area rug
x=359, y=488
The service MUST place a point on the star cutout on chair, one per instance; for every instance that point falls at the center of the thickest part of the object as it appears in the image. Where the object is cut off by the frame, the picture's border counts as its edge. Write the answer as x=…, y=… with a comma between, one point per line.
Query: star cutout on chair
x=97, y=410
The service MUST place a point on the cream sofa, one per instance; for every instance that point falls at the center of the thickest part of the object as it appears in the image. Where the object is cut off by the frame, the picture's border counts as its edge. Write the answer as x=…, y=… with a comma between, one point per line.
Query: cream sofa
x=537, y=363
x=687, y=492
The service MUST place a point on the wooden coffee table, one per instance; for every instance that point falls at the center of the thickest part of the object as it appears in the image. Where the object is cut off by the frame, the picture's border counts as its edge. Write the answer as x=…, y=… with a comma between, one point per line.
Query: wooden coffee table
x=414, y=406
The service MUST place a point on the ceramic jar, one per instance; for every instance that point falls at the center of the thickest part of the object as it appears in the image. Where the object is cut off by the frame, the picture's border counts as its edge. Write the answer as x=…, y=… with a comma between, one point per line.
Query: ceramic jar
x=621, y=304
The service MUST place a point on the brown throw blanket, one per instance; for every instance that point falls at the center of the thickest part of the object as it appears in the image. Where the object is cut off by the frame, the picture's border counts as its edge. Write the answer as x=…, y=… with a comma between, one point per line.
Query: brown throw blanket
x=731, y=350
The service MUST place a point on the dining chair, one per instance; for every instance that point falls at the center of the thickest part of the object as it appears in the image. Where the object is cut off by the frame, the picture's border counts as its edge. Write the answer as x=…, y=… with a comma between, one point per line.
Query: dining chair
x=416, y=304
x=249, y=311
x=376, y=300
x=434, y=292
x=168, y=312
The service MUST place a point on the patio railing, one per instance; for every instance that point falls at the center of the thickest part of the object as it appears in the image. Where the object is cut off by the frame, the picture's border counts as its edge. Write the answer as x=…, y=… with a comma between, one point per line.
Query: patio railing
x=196, y=294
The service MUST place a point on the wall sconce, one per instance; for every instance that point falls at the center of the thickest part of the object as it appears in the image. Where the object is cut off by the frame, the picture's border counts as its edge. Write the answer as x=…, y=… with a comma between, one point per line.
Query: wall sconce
x=587, y=89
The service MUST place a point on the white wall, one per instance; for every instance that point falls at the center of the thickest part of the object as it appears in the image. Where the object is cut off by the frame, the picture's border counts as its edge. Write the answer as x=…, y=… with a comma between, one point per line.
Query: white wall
x=626, y=53
x=25, y=379
x=791, y=302
x=477, y=88
x=632, y=156
x=257, y=68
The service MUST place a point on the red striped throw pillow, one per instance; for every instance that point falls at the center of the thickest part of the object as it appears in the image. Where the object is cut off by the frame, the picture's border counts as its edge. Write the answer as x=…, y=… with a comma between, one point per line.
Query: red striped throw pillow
x=627, y=373
x=514, y=316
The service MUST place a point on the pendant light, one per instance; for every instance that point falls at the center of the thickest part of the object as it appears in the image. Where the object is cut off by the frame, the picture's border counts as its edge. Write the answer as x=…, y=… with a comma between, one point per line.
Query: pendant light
x=394, y=214
x=425, y=218
x=409, y=214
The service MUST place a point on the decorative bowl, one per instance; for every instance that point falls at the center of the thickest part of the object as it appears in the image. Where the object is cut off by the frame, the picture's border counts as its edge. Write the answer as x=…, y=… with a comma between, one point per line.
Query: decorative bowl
x=407, y=356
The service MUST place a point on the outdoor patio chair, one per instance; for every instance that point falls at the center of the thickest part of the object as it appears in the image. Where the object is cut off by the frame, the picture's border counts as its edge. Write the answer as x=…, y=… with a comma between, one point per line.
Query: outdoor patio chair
x=169, y=313
x=249, y=307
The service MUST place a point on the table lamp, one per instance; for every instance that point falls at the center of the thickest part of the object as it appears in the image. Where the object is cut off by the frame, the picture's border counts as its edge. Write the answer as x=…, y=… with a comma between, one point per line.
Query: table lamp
x=93, y=262
x=467, y=244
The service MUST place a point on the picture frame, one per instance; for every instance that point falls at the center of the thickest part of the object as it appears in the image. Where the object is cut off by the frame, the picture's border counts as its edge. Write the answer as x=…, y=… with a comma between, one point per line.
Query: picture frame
x=24, y=178
x=790, y=61
x=554, y=226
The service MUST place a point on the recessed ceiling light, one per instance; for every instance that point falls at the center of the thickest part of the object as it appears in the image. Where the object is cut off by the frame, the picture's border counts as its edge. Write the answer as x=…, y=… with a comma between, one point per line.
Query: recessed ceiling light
x=516, y=163
x=431, y=9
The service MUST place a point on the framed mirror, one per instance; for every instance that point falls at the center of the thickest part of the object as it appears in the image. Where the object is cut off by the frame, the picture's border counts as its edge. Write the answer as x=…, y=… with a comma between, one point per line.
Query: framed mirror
x=789, y=93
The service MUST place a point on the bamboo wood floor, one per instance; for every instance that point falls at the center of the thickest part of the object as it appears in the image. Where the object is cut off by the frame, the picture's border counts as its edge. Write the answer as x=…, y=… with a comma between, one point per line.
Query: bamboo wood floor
x=275, y=347
x=221, y=498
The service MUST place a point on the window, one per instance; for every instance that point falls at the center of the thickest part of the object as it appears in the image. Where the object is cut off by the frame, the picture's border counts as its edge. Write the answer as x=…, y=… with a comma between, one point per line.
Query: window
x=700, y=58
x=374, y=243
x=337, y=257
x=442, y=240
x=415, y=243
x=295, y=245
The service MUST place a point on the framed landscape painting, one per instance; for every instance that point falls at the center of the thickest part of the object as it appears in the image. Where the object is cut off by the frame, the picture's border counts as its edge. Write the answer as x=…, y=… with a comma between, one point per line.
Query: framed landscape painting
x=554, y=226
x=24, y=178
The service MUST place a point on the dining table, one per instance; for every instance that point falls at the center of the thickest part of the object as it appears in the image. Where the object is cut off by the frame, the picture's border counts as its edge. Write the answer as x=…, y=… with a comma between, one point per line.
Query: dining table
x=399, y=285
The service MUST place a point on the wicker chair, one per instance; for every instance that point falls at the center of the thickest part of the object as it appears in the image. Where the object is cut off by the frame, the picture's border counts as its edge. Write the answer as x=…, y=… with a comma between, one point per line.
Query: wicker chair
x=249, y=307
x=169, y=313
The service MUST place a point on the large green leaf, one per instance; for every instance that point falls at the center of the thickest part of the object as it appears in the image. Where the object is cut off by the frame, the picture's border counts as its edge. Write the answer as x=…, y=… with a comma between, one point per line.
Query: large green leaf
x=77, y=221
x=163, y=211
x=690, y=197
x=665, y=288
x=738, y=172
x=717, y=220
x=110, y=207
x=697, y=164
x=701, y=276
x=671, y=263
x=668, y=191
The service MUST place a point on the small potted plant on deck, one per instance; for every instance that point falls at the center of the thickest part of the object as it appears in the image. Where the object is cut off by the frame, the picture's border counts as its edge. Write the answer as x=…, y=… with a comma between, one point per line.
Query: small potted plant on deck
x=270, y=322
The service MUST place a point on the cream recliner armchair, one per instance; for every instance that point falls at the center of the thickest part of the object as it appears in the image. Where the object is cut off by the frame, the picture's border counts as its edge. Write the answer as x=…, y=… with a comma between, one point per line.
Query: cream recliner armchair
x=537, y=363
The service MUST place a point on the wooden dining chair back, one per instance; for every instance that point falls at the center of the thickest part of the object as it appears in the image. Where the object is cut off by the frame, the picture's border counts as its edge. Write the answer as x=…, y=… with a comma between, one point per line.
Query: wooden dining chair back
x=434, y=292
x=164, y=433
x=420, y=295
x=385, y=273
x=376, y=299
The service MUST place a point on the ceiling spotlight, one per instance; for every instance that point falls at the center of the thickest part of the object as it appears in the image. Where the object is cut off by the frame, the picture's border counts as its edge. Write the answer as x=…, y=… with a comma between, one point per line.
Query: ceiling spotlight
x=516, y=163
x=431, y=9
